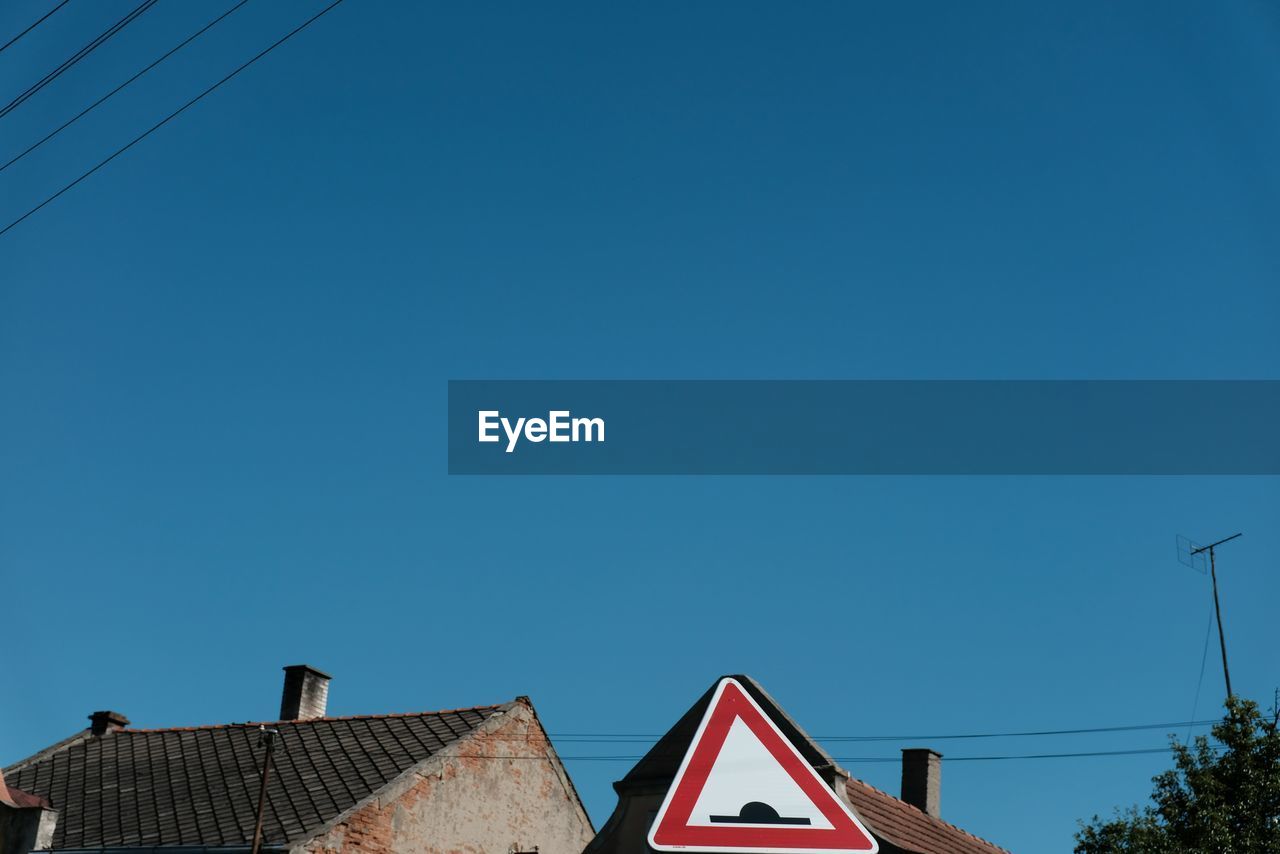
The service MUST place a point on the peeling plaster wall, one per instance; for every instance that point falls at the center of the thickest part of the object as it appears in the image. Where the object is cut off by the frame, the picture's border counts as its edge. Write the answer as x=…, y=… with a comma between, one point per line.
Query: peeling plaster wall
x=463, y=801
x=24, y=829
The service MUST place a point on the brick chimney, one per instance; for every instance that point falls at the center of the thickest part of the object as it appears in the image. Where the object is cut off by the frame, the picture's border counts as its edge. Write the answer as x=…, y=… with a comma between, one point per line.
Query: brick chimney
x=922, y=779
x=105, y=722
x=306, y=693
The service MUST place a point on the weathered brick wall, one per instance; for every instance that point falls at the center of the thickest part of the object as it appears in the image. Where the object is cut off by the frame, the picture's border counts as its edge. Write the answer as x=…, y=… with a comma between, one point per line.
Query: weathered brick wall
x=495, y=793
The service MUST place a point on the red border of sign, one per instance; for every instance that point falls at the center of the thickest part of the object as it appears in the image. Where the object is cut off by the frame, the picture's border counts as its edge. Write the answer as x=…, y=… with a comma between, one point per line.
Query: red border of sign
x=671, y=830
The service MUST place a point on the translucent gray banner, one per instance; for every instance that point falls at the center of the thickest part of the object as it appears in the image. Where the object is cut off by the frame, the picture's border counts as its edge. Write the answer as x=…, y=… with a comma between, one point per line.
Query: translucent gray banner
x=863, y=427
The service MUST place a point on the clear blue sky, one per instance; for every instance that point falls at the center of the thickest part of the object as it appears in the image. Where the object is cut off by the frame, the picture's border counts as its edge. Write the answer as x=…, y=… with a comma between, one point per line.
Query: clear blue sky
x=223, y=362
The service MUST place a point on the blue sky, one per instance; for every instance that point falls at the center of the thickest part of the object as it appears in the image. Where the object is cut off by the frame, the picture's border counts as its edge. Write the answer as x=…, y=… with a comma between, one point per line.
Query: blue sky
x=223, y=362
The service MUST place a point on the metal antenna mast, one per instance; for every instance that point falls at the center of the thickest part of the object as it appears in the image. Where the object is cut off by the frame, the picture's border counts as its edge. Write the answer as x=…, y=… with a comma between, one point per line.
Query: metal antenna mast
x=268, y=737
x=1192, y=551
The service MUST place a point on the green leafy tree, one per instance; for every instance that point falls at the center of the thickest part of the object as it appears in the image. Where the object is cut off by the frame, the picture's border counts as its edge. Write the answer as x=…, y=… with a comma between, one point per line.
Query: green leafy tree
x=1222, y=799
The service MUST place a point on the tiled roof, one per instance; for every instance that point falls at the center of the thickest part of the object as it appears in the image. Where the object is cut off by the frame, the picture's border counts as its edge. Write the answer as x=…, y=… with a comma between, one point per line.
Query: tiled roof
x=889, y=819
x=199, y=786
x=663, y=759
x=909, y=828
x=17, y=798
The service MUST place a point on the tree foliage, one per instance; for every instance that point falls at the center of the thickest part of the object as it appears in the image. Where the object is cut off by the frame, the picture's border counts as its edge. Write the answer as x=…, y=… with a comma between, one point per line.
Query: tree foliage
x=1221, y=798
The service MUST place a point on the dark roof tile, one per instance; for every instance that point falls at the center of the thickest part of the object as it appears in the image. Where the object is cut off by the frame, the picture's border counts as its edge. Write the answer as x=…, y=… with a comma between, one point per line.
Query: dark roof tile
x=198, y=785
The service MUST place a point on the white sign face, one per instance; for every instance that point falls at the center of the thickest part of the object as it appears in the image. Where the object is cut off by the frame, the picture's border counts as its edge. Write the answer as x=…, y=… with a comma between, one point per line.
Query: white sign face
x=743, y=770
x=743, y=788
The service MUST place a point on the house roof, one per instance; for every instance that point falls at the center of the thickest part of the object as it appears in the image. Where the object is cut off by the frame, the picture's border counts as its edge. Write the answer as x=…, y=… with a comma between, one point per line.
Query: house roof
x=14, y=797
x=199, y=785
x=910, y=828
x=904, y=826
x=662, y=760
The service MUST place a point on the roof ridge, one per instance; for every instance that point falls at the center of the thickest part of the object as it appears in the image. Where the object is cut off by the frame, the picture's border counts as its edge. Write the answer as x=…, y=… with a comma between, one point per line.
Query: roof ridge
x=45, y=752
x=197, y=784
x=932, y=818
x=240, y=724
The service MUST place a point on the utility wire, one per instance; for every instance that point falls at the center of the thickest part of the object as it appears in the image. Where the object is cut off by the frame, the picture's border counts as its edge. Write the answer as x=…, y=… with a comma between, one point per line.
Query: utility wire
x=1204, y=656
x=77, y=56
x=96, y=103
x=33, y=26
x=1087, y=753
x=174, y=114
x=883, y=759
x=1024, y=734
x=645, y=739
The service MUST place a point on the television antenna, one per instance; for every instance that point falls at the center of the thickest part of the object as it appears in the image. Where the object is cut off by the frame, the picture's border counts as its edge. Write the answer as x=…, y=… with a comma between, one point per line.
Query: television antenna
x=1192, y=554
x=266, y=736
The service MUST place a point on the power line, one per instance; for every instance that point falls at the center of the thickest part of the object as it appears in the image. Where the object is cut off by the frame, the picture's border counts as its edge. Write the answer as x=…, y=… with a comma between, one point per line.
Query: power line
x=875, y=759
x=1204, y=657
x=96, y=103
x=77, y=56
x=1087, y=753
x=1024, y=734
x=645, y=739
x=174, y=114
x=40, y=21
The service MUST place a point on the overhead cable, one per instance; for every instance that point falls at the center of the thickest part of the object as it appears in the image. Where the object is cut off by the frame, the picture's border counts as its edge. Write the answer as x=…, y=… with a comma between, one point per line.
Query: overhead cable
x=77, y=56
x=38, y=22
x=69, y=122
x=174, y=114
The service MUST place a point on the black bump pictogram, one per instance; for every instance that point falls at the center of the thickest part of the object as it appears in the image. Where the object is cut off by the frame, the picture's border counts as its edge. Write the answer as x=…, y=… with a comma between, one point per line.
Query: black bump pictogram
x=758, y=813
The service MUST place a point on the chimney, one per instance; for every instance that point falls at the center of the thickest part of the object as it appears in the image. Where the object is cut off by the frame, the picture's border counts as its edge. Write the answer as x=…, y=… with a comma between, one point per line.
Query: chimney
x=104, y=722
x=306, y=692
x=922, y=779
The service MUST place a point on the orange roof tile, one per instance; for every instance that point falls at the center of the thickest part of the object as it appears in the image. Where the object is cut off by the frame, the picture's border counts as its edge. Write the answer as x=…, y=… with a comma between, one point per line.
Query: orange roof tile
x=911, y=829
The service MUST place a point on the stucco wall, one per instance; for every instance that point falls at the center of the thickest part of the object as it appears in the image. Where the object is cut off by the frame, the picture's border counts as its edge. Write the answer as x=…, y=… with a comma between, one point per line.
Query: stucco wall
x=497, y=792
x=24, y=829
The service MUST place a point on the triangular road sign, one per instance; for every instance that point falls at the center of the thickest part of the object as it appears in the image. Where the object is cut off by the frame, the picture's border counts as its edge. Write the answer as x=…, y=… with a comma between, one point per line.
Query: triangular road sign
x=744, y=788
